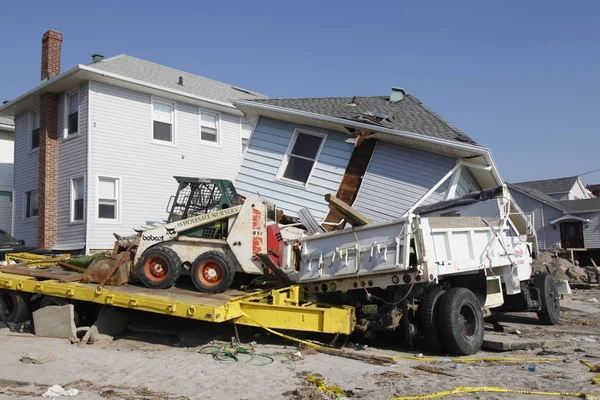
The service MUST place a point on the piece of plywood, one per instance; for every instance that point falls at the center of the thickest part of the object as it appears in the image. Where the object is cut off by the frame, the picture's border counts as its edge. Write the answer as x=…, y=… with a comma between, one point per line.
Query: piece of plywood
x=499, y=342
x=352, y=216
x=47, y=273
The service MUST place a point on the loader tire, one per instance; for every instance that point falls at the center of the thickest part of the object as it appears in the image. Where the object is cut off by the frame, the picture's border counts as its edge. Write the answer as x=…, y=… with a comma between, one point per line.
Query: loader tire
x=13, y=307
x=461, y=321
x=549, y=313
x=159, y=267
x=213, y=272
x=59, y=301
x=428, y=321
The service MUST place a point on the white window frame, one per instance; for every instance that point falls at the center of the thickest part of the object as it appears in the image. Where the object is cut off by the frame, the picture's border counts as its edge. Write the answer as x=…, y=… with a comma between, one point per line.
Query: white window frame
x=173, y=105
x=30, y=129
x=66, y=134
x=286, y=158
x=25, y=217
x=72, y=199
x=119, y=200
x=208, y=142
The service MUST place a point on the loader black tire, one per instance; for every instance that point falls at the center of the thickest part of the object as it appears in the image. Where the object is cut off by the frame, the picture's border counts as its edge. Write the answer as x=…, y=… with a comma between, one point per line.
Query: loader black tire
x=549, y=313
x=13, y=307
x=59, y=301
x=212, y=272
x=159, y=267
x=461, y=321
x=428, y=321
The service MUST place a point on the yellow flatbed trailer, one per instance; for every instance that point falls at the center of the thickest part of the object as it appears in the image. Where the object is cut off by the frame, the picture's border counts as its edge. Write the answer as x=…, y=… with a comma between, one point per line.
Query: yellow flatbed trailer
x=274, y=308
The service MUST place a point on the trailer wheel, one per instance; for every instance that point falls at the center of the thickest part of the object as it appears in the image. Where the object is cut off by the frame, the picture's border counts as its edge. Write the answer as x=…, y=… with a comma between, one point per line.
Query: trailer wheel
x=428, y=321
x=13, y=307
x=59, y=301
x=549, y=313
x=461, y=321
x=212, y=272
x=159, y=267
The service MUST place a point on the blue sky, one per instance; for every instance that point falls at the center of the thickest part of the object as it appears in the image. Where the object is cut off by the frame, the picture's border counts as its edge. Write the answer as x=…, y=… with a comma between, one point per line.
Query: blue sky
x=520, y=77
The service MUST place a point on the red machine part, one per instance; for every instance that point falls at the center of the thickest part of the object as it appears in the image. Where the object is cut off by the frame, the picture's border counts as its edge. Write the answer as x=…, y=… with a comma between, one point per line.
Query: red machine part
x=275, y=244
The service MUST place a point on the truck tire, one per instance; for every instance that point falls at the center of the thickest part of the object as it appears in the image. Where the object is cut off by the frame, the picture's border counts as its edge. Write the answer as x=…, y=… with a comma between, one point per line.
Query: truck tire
x=549, y=313
x=59, y=301
x=428, y=320
x=461, y=321
x=212, y=272
x=159, y=267
x=13, y=307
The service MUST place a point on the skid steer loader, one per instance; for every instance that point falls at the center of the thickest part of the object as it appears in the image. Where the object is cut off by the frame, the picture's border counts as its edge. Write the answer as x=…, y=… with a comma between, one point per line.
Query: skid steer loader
x=211, y=233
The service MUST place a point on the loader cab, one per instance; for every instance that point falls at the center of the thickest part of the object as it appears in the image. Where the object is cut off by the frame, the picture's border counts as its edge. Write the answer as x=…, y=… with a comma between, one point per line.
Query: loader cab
x=196, y=196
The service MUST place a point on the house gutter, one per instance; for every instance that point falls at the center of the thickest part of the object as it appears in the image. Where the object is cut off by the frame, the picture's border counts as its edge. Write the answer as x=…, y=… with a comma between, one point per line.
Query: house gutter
x=482, y=151
x=5, y=127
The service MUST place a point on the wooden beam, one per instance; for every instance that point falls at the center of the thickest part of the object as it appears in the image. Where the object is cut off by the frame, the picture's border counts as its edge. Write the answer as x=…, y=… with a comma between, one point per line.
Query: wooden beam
x=352, y=216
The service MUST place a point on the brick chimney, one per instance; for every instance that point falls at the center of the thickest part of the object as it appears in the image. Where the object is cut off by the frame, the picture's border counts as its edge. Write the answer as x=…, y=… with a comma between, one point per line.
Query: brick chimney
x=48, y=150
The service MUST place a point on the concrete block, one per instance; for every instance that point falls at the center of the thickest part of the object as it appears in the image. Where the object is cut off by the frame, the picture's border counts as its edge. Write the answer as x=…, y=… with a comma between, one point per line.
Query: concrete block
x=56, y=322
x=37, y=358
x=92, y=336
x=498, y=342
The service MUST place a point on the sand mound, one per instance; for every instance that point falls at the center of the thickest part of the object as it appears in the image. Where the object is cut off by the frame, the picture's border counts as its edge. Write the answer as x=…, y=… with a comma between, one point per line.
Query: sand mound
x=560, y=268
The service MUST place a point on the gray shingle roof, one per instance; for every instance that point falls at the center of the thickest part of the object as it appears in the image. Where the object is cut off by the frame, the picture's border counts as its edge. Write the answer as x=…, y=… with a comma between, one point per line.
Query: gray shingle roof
x=158, y=74
x=536, y=194
x=558, y=185
x=7, y=121
x=581, y=204
x=409, y=114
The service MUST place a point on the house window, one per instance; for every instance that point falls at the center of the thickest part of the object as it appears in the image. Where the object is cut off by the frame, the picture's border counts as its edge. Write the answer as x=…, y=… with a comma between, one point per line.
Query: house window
x=108, y=198
x=77, y=196
x=72, y=113
x=35, y=129
x=246, y=132
x=162, y=119
x=31, y=204
x=300, y=157
x=209, y=126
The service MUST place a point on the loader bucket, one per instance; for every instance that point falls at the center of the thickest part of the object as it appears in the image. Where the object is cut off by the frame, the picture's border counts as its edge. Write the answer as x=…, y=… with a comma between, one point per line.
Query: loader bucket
x=112, y=270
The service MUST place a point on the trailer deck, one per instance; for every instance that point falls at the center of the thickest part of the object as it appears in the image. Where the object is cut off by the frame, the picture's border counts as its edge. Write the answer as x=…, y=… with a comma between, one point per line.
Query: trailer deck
x=274, y=308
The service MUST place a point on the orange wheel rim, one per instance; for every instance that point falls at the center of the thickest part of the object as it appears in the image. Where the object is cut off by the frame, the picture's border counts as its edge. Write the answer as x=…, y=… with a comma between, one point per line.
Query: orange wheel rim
x=156, y=268
x=210, y=273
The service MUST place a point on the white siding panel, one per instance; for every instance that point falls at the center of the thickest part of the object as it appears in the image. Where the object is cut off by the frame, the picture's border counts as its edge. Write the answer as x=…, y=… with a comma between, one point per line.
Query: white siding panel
x=263, y=158
x=397, y=177
x=121, y=146
x=26, y=178
x=7, y=150
x=72, y=163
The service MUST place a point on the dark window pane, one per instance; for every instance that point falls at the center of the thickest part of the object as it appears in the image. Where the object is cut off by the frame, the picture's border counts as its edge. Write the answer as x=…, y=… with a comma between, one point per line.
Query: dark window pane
x=307, y=145
x=209, y=135
x=78, y=210
x=106, y=211
x=298, y=169
x=35, y=138
x=162, y=131
x=73, y=123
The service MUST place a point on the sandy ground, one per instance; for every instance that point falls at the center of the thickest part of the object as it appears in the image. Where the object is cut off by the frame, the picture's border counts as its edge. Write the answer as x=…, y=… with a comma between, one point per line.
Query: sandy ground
x=152, y=366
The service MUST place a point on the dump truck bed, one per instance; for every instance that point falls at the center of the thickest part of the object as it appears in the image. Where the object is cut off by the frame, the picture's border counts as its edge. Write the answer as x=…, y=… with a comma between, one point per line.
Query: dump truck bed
x=274, y=308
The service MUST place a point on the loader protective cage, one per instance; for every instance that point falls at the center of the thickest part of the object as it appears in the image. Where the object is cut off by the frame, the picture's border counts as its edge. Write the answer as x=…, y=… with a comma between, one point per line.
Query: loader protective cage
x=275, y=309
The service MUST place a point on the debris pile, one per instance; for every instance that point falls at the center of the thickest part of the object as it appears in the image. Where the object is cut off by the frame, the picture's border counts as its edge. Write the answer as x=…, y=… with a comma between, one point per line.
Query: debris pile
x=560, y=268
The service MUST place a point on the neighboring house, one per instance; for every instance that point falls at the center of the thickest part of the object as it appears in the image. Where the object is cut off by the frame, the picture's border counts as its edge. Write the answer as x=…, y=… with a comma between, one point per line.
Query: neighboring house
x=97, y=146
x=569, y=224
x=594, y=189
x=384, y=155
x=7, y=148
x=569, y=188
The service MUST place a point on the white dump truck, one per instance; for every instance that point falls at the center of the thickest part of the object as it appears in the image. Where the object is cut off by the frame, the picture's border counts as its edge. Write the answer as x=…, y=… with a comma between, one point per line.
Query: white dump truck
x=434, y=274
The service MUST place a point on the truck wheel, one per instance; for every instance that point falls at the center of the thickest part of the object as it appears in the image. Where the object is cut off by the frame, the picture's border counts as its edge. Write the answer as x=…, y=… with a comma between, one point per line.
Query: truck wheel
x=428, y=320
x=159, y=267
x=549, y=313
x=59, y=301
x=13, y=307
x=461, y=321
x=212, y=272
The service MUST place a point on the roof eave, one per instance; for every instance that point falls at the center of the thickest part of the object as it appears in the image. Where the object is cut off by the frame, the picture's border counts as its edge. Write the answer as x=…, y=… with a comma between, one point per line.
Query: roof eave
x=543, y=201
x=568, y=217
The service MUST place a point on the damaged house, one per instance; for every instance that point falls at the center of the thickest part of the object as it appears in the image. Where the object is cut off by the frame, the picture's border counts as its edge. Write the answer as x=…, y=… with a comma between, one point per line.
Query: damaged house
x=383, y=155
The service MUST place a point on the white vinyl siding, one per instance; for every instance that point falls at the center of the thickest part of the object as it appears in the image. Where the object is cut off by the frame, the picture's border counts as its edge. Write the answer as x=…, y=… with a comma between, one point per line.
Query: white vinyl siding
x=209, y=126
x=7, y=149
x=162, y=121
x=25, y=179
x=120, y=147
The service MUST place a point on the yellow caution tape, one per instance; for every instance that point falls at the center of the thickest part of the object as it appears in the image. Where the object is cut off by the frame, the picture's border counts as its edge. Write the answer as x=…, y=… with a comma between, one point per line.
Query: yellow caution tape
x=492, y=389
x=322, y=386
x=593, y=368
x=477, y=359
